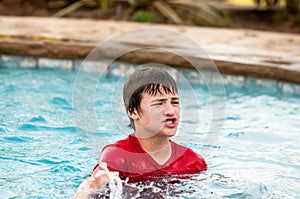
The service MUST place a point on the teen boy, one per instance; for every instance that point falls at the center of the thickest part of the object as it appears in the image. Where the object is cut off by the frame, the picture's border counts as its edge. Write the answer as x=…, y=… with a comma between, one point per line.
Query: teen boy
x=152, y=104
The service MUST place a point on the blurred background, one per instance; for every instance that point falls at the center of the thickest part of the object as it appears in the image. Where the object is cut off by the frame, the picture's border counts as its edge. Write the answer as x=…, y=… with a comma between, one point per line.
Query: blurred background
x=274, y=15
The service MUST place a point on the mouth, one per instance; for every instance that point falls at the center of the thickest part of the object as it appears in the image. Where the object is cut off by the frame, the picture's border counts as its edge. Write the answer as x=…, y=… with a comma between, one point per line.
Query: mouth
x=170, y=122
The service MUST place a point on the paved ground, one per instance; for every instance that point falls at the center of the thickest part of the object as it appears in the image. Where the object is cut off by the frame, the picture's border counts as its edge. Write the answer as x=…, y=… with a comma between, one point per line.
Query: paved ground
x=247, y=52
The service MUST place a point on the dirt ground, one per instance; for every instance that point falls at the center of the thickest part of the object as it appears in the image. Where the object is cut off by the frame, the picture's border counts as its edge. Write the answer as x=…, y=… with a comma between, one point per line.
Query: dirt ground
x=257, y=19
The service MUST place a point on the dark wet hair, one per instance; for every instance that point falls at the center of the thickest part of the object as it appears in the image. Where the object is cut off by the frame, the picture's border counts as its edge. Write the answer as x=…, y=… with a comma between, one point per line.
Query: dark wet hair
x=146, y=80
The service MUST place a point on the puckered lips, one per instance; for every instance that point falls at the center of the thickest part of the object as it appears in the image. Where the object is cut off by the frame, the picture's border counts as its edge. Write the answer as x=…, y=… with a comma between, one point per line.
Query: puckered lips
x=170, y=122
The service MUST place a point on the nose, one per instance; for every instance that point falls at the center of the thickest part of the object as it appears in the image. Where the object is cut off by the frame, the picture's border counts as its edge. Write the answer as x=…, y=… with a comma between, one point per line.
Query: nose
x=169, y=109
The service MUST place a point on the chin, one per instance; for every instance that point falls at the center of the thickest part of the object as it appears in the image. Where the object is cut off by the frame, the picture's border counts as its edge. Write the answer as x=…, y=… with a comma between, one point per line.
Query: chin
x=168, y=133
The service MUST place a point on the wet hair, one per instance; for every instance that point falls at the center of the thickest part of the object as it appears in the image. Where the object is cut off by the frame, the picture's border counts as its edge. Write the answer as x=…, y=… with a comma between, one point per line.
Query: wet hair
x=146, y=80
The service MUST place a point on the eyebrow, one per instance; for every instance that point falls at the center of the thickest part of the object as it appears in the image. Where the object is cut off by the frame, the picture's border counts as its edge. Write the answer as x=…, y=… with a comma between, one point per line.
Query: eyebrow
x=165, y=99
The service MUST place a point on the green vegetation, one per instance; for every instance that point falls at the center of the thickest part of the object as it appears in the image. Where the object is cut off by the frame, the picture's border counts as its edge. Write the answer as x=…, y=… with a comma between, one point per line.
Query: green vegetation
x=144, y=16
x=198, y=12
x=191, y=12
x=278, y=15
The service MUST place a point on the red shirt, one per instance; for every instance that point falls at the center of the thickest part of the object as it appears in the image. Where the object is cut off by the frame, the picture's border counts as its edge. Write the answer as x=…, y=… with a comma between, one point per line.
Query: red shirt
x=131, y=161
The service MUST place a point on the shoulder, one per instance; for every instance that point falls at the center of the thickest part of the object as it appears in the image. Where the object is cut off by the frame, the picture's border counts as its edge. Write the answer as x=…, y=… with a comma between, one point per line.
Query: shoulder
x=188, y=156
x=120, y=144
x=118, y=150
x=180, y=149
x=114, y=155
x=115, y=147
x=125, y=144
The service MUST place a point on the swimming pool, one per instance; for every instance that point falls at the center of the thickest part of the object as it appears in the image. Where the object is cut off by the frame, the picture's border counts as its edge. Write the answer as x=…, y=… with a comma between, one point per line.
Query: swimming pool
x=43, y=156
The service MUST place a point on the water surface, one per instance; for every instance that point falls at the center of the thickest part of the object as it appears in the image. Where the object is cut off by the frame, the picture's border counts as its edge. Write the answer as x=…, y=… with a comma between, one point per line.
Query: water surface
x=44, y=155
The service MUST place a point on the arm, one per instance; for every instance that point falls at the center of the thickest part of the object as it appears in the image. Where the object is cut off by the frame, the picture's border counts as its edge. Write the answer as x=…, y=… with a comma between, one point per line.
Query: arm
x=99, y=177
x=97, y=180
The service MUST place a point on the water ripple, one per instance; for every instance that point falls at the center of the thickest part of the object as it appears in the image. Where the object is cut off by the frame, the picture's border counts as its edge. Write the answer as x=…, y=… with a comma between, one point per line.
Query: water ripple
x=52, y=161
x=17, y=139
x=38, y=119
x=31, y=127
x=3, y=130
x=61, y=102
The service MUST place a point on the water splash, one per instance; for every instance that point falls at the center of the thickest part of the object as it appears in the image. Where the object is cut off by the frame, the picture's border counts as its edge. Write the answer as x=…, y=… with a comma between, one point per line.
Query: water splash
x=204, y=185
x=115, y=183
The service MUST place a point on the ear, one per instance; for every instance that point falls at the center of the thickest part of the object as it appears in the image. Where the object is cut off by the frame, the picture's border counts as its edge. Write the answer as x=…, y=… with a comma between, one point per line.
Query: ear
x=133, y=114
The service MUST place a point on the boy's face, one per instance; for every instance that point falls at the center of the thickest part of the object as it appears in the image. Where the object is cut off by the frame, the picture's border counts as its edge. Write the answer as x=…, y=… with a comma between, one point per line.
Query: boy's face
x=159, y=115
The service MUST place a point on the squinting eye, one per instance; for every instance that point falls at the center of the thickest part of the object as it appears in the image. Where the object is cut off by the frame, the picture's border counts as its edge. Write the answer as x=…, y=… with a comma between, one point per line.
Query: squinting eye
x=175, y=102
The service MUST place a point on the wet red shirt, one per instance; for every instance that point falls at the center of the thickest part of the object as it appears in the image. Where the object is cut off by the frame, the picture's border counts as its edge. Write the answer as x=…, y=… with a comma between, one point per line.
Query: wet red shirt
x=131, y=161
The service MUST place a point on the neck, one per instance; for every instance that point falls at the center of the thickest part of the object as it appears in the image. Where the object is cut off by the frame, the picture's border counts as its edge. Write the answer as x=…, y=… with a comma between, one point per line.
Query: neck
x=154, y=143
x=159, y=148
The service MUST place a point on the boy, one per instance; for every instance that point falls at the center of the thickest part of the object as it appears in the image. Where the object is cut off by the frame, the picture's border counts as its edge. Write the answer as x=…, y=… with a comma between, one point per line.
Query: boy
x=152, y=104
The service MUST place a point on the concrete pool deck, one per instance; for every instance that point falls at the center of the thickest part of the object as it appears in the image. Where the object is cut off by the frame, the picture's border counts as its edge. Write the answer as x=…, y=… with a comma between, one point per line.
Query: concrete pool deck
x=235, y=51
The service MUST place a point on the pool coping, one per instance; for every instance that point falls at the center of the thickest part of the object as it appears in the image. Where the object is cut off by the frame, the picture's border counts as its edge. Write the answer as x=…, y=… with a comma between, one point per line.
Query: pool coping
x=244, y=52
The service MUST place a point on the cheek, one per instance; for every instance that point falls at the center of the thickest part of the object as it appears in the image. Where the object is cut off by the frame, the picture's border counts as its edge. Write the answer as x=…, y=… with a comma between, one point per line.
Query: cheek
x=153, y=115
x=155, y=112
x=177, y=110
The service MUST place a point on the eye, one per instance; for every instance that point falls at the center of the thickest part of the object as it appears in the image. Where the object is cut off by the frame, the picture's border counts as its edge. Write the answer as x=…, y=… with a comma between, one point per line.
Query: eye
x=157, y=104
x=175, y=102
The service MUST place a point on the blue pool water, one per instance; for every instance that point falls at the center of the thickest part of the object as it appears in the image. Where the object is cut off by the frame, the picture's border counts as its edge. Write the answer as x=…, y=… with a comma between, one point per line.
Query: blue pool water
x=44, y=155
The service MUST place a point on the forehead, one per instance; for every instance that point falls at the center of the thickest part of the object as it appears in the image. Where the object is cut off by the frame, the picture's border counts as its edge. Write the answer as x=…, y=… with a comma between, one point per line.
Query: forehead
x=158, y=95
